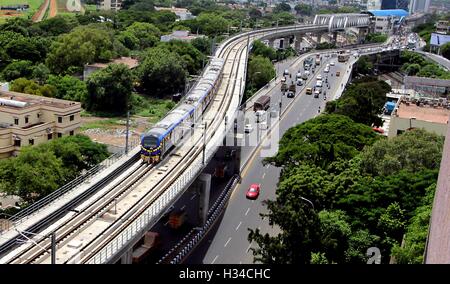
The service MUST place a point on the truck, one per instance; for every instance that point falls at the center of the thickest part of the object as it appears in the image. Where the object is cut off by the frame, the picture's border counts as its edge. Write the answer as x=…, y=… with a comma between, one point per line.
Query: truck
x=284, y=87
x=262, y=103
x=177, y=218
x=318, y=59
x=151, y=243
x=292, y=88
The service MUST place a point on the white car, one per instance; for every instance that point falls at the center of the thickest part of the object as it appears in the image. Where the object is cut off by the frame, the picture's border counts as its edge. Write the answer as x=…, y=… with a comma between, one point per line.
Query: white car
x=332, y=63
x=283, y=79
x=248, y=128
x=326, y=70
x=319, y=77
x=286, y=72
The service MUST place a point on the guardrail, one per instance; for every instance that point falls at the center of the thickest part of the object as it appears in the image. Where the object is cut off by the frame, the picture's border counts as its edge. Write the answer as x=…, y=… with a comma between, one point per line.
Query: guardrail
x=184, y=247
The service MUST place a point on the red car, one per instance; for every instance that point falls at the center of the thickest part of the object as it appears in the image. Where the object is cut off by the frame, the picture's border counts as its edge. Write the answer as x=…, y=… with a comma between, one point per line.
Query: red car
x=253, y=191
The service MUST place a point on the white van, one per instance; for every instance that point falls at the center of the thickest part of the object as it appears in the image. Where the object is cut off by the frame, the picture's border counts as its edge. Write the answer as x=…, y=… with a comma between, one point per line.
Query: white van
x=305, y=75
x=319, y=83
x=299, y=75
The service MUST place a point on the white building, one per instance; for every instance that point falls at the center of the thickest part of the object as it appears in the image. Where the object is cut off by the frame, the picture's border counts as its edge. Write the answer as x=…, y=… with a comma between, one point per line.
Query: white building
x=111, y=5
x=373, y=4
x=416, y=6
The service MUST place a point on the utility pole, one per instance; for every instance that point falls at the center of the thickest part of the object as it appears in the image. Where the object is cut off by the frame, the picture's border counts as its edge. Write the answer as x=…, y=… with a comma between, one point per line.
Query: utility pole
x=204, y=142
x=53, y=241
x=128, y=129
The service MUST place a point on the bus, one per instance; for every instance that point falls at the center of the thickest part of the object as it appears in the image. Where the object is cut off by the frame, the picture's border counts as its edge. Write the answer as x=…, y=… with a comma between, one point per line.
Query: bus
x=343, y=56
x=262, y=103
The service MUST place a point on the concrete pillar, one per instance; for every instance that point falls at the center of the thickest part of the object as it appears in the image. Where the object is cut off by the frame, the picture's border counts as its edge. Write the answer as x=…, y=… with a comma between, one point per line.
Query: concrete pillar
x=271, y=42
x=298, y=42
x=335, y=37
x=204, y=182
x=319, y=38
x=285, y=43
x=127, y=257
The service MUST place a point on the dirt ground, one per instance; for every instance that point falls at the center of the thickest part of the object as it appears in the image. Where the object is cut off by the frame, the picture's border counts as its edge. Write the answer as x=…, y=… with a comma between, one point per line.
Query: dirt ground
x=114, y=135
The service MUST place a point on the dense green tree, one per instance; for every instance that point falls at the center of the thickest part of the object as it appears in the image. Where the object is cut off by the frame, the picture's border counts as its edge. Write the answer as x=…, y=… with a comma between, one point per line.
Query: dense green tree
x=28, y=48
x=375, y=38
x=260, y=71
x=68, y=87
x=212, y=24
x=282, y=7
x=161, y=73
x=203, y=44
x=334, y=234
x=254, y=13
x=319, y=258
x=284, y=18
x=392, y=222
x=82, y=45
x=17, y=24
x=358, y=243
x=298, y=238
x=363, y=65
x=362, y=101
x=322, y=140
x=140, y=35
x=109, y=89
x=260, y=49
x=55, y=26
x=413, y=151
x=17, y=69
x=192, y=58
x=303, y=9
x=40, y=73
x=23, y=85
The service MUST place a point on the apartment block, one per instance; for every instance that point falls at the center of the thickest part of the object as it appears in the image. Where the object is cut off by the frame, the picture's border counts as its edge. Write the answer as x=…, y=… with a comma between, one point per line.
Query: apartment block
x=30, y=120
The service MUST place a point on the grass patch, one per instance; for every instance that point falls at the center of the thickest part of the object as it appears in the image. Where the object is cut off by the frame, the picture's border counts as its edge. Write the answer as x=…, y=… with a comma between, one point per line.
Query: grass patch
x=154, y=109
x=90, y=7
x=104, y=124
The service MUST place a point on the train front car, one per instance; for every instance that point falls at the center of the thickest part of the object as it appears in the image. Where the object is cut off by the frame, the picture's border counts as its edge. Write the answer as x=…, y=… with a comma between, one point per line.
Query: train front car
x=151, y=147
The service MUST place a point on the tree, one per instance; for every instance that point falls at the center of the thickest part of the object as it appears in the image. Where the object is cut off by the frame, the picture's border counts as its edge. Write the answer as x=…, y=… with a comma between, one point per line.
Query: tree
x=81, y=46
x=358, y=243
x=303, y=9
x=393, y=221
x=23, y=85
x=445, y=50
x=322, y=140
x=260, y=71
x=203, y=44
x=260, y=49
x=17, y=69
x=362, y=101
x=212, y=24
x=191, y=56
x=364, y=65
x=254, y=13
x=413, y=151
x=282, y=7
x=140, y=35
x=334, y=234
x=28, y=48
x=161, y=73
x=68, y=87
x=109, y=89
x=284, y=18
x=298, y=238
x=40, y=73
x=61, y=24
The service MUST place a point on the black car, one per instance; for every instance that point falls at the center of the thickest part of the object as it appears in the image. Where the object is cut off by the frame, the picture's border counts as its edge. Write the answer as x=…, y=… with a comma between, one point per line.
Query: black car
x=290, y=94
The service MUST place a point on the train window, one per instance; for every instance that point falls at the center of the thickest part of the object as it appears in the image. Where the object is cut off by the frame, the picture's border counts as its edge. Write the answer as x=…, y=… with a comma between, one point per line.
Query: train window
x=150, y=141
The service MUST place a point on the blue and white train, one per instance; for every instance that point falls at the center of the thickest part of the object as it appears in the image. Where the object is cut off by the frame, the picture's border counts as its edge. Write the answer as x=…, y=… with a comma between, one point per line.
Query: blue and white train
x=168, y=132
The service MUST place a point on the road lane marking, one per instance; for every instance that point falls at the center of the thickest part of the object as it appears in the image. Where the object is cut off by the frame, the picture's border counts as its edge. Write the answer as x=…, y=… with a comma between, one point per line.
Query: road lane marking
x=238, y=226
x=248, y=209
x=165, y=224
x=193, y=196
x=248, y=248
x=214, y=259
x=264, y=174
x=240, y=262
x=229, y=239
x=182, y=208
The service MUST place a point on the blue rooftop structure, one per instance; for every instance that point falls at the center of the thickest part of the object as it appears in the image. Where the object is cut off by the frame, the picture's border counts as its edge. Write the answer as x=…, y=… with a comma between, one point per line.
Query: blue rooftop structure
x=439, y=39
x=386, y=13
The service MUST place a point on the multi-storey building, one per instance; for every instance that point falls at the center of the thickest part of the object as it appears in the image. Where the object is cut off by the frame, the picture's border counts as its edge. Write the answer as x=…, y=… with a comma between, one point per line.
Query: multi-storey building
x=111, y=5
x=31, y=120
x=419, y=6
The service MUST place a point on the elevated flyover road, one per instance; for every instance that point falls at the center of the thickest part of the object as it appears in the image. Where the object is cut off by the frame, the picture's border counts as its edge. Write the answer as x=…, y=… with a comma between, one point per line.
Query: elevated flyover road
x=105, y=228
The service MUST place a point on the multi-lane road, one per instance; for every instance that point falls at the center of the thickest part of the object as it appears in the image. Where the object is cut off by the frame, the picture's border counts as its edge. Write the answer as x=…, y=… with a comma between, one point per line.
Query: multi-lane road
x=228, y=241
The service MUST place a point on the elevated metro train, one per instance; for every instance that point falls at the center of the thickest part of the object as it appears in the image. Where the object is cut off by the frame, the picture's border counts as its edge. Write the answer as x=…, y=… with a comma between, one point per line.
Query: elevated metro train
x=157, y=142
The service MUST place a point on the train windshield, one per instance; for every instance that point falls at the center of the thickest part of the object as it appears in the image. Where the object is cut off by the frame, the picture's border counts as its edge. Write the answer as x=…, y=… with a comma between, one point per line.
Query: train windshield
x=150, y=142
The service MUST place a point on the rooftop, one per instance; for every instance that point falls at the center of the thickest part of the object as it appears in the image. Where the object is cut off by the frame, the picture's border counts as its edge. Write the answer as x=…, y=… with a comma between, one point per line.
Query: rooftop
x=14, y=100
x=436, y=114
x=387, y=13
x=439, y=39
x=128, y=61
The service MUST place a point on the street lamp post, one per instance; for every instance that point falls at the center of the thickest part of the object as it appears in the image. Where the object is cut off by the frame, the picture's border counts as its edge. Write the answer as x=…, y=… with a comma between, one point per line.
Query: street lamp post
x=309, y=201
x=127, y=132
x=204, y=142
